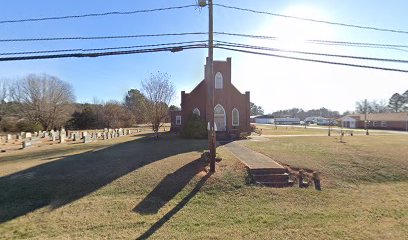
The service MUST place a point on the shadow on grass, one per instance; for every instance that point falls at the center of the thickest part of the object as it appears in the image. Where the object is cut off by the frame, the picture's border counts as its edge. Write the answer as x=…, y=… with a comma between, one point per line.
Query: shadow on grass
x=169, y=187
x=63, y=181
x=176, y=209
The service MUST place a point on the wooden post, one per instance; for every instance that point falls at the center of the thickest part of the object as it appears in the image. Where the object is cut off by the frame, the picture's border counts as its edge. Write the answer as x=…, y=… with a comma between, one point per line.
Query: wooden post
x=316, y=180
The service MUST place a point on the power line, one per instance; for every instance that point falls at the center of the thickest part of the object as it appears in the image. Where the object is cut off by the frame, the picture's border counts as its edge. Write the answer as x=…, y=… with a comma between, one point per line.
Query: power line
x=95, y=14
x=311, y=40
x=314, y=20
x=229, y=44
x=323, y=42
x=313, y=60
x=314, y=41
x=106, y=53
x=100, y=37
x=100, y=49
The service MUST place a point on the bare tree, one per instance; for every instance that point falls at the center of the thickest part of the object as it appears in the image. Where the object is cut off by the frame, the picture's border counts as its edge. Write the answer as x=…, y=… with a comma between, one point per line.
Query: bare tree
x=3, y=96
x=3, y=91
x=43, y=99
x=159, y=92
x=116, y=115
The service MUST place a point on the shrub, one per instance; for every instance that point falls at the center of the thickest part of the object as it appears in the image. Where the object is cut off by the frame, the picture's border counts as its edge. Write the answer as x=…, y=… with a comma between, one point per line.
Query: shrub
x=28, y=126
x=6, y=125
x=195, y=127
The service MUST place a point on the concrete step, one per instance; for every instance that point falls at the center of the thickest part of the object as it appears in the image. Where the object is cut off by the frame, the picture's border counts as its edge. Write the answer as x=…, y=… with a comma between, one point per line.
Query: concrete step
x=271, y=177
x=263, y=171
x=277, y=184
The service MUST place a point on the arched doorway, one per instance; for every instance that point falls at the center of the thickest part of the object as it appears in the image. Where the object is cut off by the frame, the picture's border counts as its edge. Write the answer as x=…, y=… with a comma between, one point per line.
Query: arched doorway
x=219, y=118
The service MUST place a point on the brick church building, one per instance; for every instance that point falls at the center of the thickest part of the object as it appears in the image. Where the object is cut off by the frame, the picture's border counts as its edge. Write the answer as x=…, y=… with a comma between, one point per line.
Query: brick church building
x=231, y=111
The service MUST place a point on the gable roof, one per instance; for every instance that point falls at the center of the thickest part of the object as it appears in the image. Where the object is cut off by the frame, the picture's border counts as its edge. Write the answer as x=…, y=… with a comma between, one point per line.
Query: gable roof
x=198, y=86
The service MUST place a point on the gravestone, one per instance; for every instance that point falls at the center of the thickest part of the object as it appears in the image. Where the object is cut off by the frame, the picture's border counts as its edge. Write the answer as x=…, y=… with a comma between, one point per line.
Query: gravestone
x=26, y=144
x=62, y=138
x=84, y=134
x=86, y=139
x=8, y=138
x=129, y=132
x=28, y=135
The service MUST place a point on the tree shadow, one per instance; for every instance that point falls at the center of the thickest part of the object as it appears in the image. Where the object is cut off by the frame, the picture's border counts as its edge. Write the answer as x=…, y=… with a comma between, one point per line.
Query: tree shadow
x=156, y=226
x=63, y=181
x=169, y=187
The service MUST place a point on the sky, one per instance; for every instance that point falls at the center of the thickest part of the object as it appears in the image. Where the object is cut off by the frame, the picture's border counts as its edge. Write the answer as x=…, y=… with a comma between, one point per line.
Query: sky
x=274, y=83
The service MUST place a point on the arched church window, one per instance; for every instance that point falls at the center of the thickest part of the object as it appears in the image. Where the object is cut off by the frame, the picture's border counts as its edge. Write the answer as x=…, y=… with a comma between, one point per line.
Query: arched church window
x=196, y=111
x=219, y=81
x=235, y=117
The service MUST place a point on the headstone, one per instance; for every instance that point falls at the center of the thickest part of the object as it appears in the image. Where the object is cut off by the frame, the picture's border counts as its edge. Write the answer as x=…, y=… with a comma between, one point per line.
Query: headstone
x=86, y=139
x=53, y=138
x=28, y=135
x=8, y=138
x=62, y=138
x=129, y=132
x=26, y=144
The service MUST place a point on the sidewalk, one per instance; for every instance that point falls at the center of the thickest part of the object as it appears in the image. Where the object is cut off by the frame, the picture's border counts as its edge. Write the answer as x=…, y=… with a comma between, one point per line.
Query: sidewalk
x=252, y=159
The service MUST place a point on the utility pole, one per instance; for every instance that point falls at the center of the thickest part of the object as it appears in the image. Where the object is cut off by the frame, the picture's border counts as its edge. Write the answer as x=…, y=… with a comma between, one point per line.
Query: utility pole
x=365, y=116
x=210, y=76
x=329, y=128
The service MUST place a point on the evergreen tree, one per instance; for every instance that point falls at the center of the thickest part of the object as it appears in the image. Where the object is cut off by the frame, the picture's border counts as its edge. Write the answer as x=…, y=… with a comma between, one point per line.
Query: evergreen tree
x=396, y=102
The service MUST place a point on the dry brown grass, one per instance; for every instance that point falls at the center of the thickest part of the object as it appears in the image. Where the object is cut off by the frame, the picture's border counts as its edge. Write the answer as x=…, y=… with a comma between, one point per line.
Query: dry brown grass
x=140, y=187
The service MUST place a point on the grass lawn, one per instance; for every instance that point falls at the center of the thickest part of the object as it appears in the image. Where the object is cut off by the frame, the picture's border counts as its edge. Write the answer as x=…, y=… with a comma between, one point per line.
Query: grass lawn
x=270, y=130
x=134, y=187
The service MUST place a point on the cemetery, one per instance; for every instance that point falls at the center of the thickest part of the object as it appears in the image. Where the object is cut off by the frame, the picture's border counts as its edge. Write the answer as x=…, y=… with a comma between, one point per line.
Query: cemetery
x=23, y=140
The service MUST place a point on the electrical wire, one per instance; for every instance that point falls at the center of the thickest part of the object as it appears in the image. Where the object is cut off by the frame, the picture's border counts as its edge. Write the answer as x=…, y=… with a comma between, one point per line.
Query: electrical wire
x=100, y=37
x=230, y=44
x=313, y=20
x=397, y=47
x=95, y=14
x=312, y=60
x=106, y=53
x=100, y=49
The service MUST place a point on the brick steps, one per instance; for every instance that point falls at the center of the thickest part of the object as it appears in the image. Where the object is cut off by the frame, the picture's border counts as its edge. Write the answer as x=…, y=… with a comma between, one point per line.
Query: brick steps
x=271, y=177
